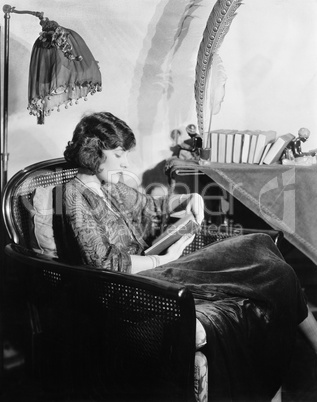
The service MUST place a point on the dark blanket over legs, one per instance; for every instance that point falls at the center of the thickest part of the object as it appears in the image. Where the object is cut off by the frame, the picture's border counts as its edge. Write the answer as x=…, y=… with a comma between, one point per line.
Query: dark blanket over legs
x=250, y=303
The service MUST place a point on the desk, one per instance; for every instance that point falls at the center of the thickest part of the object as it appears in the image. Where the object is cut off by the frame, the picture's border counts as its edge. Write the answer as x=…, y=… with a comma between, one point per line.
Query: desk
x=285, y=197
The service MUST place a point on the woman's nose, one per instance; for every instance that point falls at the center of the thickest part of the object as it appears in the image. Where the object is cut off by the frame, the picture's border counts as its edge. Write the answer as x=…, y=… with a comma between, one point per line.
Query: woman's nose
x=124, y=163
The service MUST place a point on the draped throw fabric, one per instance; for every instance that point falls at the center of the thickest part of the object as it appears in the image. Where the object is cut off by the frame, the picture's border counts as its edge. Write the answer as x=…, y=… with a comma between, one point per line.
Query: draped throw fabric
x=62, y=70
x=250, y=304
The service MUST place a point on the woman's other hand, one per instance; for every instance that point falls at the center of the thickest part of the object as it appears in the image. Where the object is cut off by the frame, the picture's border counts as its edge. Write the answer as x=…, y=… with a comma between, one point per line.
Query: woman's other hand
x=195, y=205
x=176, y=249
x=141, y=263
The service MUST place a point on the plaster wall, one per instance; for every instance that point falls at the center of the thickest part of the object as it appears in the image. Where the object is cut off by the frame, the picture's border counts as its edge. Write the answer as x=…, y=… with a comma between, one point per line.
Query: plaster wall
x=148, y=72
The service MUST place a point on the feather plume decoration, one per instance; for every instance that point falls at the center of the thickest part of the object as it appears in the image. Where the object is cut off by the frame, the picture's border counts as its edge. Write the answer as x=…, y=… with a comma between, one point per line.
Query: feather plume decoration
x=215, y=91
x=210, y=75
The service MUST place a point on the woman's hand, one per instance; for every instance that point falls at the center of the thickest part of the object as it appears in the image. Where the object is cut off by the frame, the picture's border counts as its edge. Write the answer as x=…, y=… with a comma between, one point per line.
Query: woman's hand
x=140, y=263
x=176, y=249
x=191, y=202
x=195, y=205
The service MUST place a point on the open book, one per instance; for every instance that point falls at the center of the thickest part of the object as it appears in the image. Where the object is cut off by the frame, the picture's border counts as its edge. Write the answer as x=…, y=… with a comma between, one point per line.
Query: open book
x=186, y=224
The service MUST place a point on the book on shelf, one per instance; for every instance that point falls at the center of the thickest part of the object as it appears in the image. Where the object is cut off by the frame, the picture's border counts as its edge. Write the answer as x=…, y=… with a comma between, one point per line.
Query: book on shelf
x=225, y=145
x=214, y=146
x=266, y=150
x=184, y=225
x=222, y=140
x=254, y=138
x=237, y=144
x=264, y=137
x=246, y=139
x=277, y=148
x=229, y=147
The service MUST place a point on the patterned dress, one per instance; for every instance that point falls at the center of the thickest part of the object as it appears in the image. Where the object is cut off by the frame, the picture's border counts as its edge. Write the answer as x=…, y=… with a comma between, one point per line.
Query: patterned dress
x=110, y=228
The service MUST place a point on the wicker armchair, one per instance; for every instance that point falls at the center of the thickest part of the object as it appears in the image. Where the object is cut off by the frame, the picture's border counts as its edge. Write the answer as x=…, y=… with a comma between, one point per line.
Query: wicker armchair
x=130, y=337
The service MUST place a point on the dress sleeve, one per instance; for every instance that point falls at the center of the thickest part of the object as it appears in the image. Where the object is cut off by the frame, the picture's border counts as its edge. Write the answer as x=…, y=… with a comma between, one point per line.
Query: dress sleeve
x=94, y=247
x=145, y=212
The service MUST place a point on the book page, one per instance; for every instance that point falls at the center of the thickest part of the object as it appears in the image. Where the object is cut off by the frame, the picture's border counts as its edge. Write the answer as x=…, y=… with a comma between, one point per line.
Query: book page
x=187, y=224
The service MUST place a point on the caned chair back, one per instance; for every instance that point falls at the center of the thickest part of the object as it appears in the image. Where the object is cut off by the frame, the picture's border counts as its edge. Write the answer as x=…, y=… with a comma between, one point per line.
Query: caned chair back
x=18, y=194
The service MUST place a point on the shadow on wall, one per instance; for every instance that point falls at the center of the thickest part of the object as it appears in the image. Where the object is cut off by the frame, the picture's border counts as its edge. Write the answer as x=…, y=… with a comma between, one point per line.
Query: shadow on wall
x=21, y=148
x=155, y=181
x=167, y=28
x=19, y=59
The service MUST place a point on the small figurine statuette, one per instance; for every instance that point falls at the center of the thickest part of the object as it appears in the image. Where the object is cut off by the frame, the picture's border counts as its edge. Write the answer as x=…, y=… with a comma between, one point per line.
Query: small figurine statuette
x=296, y=144
x=188, y=149
x=293, y=153
x=195, y=137
x=191, y=130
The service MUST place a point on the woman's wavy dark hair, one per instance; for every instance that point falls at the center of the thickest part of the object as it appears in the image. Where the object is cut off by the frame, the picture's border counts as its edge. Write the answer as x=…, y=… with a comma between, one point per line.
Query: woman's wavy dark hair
x=93, y=134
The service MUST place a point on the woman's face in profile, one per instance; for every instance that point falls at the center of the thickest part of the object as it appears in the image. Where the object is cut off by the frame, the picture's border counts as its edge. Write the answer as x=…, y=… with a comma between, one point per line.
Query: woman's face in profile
x=116, y=161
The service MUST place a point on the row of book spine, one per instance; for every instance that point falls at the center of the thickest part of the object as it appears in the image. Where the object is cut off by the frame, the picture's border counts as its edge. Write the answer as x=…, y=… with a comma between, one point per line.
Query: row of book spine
x=253, y=147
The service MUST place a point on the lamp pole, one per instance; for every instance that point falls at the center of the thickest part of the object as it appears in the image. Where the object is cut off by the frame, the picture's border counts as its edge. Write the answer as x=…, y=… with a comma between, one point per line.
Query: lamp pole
x=4, y=177
x=1, y=242
x=5, y=101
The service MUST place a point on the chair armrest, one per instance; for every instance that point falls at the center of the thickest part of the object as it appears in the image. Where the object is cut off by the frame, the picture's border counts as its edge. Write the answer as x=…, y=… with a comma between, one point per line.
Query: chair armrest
x=40, y=261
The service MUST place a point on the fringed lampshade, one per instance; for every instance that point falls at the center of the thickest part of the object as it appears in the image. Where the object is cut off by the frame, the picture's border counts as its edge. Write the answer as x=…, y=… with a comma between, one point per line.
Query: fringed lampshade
x=62, y=70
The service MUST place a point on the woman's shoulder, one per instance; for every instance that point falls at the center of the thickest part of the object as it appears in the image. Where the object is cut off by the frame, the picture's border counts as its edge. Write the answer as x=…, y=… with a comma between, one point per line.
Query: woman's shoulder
x=120, y=189
x=75, y=188
x=124, y=195
x=78, y=195
x=72, y=185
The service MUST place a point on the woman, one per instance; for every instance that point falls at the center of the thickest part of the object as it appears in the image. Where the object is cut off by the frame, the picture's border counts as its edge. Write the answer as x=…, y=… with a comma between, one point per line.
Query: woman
x=110, y=225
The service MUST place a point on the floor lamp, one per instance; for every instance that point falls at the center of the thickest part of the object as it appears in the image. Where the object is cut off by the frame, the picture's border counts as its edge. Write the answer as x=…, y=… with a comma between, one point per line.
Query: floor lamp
x=4, y=91
x=81, y=77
